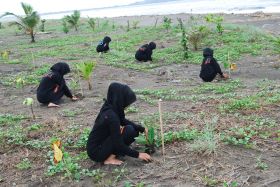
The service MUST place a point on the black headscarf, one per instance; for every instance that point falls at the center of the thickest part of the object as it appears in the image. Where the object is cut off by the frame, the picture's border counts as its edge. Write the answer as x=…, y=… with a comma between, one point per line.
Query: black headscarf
x=61, y=67
x=106, y=39
x=207, y=52
x=120, y=96
x=152, y=45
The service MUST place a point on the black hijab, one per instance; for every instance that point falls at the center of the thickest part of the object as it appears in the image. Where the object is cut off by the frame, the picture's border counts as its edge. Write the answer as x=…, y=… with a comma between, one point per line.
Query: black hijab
x=61, y=67
x=119, y=96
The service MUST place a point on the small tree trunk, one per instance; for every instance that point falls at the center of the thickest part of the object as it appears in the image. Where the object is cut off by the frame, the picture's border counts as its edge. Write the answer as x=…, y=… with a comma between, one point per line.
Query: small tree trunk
x=33, y=115
x=89, y=85
x=156, y=23
x=76, y=28
x=32, y=36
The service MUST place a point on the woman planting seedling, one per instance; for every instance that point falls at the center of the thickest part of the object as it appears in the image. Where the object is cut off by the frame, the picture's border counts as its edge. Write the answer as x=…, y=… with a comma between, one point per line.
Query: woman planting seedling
x=112, y=133
x=52, y=86
x=210, y=67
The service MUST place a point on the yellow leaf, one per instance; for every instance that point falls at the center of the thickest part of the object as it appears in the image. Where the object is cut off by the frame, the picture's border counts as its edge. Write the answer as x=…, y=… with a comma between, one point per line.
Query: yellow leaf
x=57, y=151
x=233, y=66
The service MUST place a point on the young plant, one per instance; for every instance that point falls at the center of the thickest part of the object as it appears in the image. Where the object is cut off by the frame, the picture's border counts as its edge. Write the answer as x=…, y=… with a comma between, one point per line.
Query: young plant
x=65, y=28
x=196, y=35
x=42, y=26
x=260, y=164
x=29, y=102
x=24, y=164
x=20, y=82
x=135, y=24
x=184, y=39
x=167, y=23
x=128, y=27
x=27, y=22
x=91, y=23
x=5, y=55
x=73, y=19
x=217, y=20
x=86, y=69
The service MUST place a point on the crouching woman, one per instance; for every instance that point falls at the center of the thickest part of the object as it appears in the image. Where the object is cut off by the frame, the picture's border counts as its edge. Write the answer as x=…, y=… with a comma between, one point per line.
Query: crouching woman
x=112, y=134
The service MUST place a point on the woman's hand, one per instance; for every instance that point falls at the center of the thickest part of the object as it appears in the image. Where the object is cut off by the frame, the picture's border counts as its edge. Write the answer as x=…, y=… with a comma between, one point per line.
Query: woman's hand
x=144, y=156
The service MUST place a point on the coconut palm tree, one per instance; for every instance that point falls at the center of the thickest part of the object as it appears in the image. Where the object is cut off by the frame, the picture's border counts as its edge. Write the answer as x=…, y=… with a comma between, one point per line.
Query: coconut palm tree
x=73, y=19
x=27, y=22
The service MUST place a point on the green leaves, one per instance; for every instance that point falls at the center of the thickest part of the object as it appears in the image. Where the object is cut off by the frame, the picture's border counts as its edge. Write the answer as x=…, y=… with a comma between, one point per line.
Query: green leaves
x=86, y=69
x=28, y=101
x=73, y=19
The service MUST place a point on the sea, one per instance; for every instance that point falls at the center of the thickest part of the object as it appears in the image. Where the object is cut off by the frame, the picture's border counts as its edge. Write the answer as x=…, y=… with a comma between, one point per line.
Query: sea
x=56, y=9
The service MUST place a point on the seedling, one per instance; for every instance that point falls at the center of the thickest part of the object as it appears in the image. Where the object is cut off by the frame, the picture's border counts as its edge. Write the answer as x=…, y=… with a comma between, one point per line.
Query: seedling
x=167, y=23
x=217, y=20
x=150, y=140
x=24, y=164
x=260, y=164
x=91, y=23
x=184, y=40
x=20, y=82
x=86, y=69
x=29, y=102
x=5, y=55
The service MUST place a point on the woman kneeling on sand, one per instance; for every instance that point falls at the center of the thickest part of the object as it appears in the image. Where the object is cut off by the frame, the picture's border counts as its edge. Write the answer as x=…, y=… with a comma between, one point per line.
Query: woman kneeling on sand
x=112, y=133
x=52, y=86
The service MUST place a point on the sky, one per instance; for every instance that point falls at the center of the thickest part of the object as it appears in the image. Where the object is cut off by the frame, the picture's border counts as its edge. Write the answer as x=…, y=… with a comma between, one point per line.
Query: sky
x=45, y=6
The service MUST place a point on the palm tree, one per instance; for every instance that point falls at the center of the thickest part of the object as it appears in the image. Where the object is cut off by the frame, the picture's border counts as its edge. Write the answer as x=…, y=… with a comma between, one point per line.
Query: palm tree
x=73, y=19
x=27, y=22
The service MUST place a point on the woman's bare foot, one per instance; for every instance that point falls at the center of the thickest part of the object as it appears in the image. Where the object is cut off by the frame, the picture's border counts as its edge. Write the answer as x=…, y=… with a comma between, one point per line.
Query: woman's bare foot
x=112, y=160
x=50, y=105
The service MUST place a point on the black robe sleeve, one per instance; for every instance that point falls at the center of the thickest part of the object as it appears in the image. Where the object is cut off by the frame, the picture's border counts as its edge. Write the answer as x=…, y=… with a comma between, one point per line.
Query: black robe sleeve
x=139, y=128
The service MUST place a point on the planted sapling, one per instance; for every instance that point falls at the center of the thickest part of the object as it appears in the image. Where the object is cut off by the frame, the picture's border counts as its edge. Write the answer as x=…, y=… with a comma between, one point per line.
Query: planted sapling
x=29, y=102
x=86, y=69
x=150, y=141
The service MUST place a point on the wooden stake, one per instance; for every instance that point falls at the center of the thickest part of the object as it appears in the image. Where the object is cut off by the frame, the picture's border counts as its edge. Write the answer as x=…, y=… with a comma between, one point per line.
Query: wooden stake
x=161, y=128
x=229, y=66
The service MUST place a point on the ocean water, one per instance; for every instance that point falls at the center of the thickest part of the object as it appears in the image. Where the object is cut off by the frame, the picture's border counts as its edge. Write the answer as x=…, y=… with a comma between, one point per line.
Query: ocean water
x=113, y=8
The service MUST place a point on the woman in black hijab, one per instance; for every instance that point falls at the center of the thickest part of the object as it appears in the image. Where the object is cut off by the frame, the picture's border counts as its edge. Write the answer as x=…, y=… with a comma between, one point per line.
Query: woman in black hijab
x=52, y=86
x=210, y=67
x=112, y=134
x=103, y=45
x=144, y=53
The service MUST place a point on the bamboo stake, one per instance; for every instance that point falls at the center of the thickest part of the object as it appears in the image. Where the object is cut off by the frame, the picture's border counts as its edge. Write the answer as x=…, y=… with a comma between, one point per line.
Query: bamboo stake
x=161, y=128
x=80, y=83
x=229, y=66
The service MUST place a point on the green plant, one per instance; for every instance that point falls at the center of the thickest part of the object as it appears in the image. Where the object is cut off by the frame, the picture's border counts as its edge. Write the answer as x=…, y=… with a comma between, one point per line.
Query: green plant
x=217, y=20
x=209, y=181
x=29, y=102
x=20, y=82
x=91, y=22
x=207, y=142
x=65, y=28
x=35, y=127
x=131, y=109
x=230, y=184
x=5, y=55
x=239, y=136
x=42, y=26
x=27, y=22
x=82, y=141
x=196, y=35
x=8, y=119
x=260, y=164
x=1, y=26
x=167, y=23
x=135, y=24
x=86, y=69
x=73, y=19
x=184, y=39
x=24, y=164
x=128, y=27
